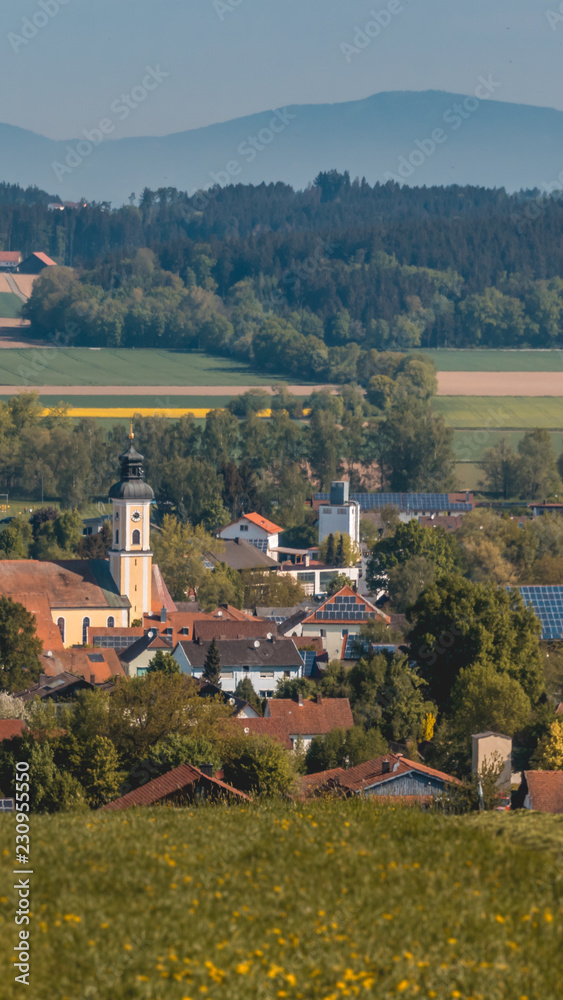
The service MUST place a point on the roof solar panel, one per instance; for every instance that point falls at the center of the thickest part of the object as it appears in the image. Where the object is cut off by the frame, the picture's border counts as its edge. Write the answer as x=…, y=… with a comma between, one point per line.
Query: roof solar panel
x=547, y=603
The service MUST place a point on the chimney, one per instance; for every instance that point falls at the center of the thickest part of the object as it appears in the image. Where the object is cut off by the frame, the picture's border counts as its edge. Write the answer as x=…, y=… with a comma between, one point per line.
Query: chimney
x=92, y=678
x=319, y=699
x=163, y=614
x=385, y=767
x=207, y=770
x=300, y=700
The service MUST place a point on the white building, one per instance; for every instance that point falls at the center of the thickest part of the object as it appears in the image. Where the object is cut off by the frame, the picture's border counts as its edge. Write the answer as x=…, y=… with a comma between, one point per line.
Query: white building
x=340, y=515
x=255, y=529
x=263, y=661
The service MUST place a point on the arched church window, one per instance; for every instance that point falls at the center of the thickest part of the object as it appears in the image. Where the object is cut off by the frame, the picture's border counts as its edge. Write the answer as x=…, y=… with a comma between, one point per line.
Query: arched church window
x=111, y=622
x=136, y=537
x=117, y=537
x=85, y=627
x=61, y=627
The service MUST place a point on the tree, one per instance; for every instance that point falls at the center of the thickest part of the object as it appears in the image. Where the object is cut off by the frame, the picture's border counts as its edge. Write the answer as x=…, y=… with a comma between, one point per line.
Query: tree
x=435, y=545
x=223, y=585
x=500, y=466
x=245, y=690
x=12, y=708
x=163, y=663
x=40, y=516
x=337, y=583
x=339, y=550
x=414, y=448
x=328, y=550
x=212, y=664
x=485, y=699
x=293, y=687
x=537, y=468
x=407, y=582
x=145, y=710
x=344, y=748
x=19, y=646
x=258, y=765
x=102, y=776
x=456, y=623
x=15, y=539
x=549, y=753
x=51, y=788
x=179, y=550
x=268, y=589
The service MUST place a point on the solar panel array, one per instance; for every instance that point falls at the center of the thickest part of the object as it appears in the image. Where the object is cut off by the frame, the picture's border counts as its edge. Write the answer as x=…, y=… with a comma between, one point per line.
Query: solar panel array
x=114, y=641
x=345, y=607
x=309, y=658
x=354, y=646
x=278, y=619
x=547, y=603
x=404, y=501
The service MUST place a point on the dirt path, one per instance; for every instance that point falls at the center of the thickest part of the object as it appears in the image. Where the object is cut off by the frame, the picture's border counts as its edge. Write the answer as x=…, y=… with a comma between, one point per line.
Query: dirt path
x=500, y=383
x=14, y=288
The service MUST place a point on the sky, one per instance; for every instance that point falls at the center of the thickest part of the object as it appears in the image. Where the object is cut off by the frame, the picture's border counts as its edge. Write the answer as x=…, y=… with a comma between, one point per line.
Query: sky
x=64, y=62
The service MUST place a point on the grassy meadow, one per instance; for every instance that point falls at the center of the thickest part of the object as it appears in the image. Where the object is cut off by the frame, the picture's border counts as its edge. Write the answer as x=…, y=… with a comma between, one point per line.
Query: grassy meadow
x=488, y=360
x=323, y=900
x=10, y=305
x=105, y=366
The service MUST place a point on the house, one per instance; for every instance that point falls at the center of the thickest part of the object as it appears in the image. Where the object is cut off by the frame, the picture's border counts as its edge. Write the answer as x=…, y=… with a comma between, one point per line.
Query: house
x=10, y=260
x=205, y=631
x=241, y=709
x=36, y=263
x=240, y=554
x=491, y=749
x=136, y=658
x=263, y=662
x=10, y=728
x=391, y=774
x=253, y=528
x=114, y=638
x=315, y=576
x=95, y=666
x=79, y=593
x=312, y=653
x=304, y=719
x=94, y=525
x=340, y=514
x=541, y=791
x=339, y=617
x=62, y=687
x=181, y=786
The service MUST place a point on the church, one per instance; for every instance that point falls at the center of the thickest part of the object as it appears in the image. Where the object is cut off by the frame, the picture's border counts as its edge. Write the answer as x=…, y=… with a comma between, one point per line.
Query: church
x=69, y=596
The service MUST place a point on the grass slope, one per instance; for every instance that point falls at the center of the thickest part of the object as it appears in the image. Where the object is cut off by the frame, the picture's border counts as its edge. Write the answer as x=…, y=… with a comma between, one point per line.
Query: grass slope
x=10, y=305
x=492, y=412
x=88, y=367
x=495, y=361
x=325, y=900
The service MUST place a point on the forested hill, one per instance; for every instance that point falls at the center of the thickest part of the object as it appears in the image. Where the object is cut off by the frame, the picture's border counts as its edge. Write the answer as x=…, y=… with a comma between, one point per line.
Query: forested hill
x=336, y=270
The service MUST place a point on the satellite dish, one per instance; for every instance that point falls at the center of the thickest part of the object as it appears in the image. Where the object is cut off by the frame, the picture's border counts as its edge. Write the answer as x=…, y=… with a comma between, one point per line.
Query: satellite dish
x=256, y=644
x=48, y=653
x=219, y=614
x=269, y=636
x=247, y=730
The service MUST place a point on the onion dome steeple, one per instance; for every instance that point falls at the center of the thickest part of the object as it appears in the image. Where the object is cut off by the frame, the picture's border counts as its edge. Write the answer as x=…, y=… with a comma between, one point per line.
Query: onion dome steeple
x=131, y=486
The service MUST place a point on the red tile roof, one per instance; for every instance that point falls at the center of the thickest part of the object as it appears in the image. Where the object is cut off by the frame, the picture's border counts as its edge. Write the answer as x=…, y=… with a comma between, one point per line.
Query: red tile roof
x=545, y=789
x=135, y=632
x=313, y=618
x=221, y=628
x=47, y=630
x=10, y=256
x=10, y=728
x=99, y=664
x=73, y=583
x=160, y=595
x=363, y=776
x=277, y=730
x=311, y=717
x=262, y=522
x=178, y=780
x=44, y=258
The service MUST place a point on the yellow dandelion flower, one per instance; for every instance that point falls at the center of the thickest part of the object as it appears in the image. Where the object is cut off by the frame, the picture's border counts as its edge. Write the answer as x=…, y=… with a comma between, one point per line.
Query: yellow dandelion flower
x=242, y=968
x=402, y=986
x=143, y=979
x=500, y=919
x=548, y=917
x=456, y=993
x=452, y=940
x=127, y=946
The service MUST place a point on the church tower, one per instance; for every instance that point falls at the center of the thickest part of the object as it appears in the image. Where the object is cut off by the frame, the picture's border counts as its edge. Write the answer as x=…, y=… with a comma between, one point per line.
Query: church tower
x=130, y=557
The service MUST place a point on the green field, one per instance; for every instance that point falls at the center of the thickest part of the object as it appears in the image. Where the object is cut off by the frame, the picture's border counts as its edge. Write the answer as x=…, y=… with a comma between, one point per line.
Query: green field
x=10, y=305
x=132, y=403
x=495, y=361
x=91, y=367
x=511, y=412
x=314, y=902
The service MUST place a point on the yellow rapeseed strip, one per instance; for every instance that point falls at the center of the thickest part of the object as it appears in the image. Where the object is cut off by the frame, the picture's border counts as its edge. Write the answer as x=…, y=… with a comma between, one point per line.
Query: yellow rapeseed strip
x=143, y=411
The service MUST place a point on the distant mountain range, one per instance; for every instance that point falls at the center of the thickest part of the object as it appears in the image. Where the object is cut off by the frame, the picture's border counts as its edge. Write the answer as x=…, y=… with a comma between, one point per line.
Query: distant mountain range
x=428, y=138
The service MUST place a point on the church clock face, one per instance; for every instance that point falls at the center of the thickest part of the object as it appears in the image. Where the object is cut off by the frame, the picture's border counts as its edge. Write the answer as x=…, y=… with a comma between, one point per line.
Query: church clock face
x=136, y=515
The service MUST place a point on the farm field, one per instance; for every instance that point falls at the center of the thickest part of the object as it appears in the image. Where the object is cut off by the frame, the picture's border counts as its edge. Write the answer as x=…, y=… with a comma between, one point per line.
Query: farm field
x=511, y=412
x=10, y=305
x=405, y=904
x=454, y=360
x=83, y=366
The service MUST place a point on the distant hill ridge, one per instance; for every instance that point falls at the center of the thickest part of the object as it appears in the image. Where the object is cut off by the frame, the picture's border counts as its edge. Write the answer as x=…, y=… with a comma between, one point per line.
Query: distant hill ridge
x=421, y=138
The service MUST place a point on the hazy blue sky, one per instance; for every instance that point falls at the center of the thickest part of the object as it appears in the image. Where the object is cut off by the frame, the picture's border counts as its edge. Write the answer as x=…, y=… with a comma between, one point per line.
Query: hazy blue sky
x=223, y=63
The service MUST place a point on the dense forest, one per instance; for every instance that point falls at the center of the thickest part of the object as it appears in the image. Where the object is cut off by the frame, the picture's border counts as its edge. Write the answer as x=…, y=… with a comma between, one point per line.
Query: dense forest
x=303, y=283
